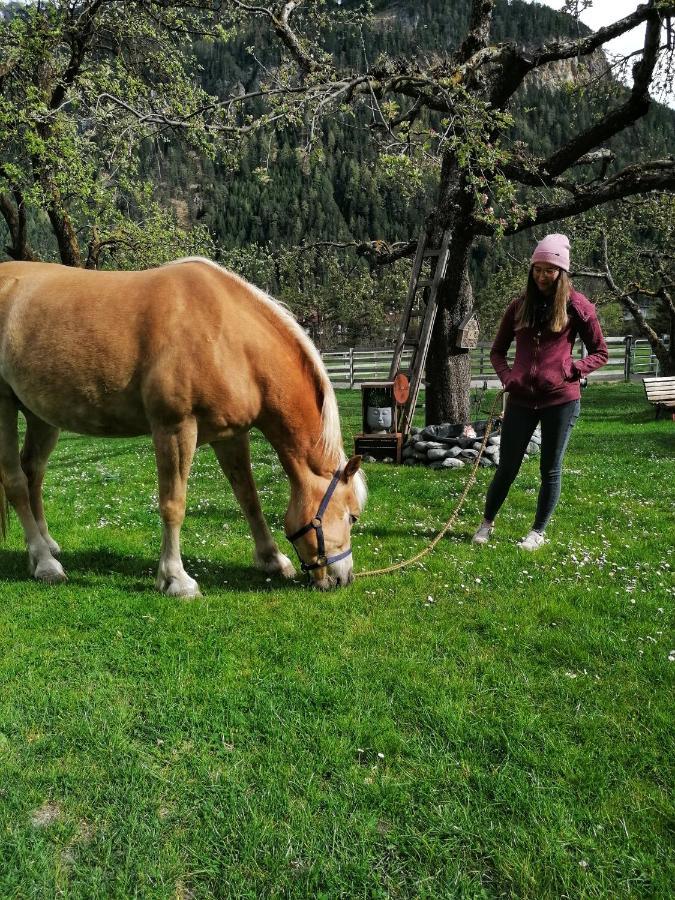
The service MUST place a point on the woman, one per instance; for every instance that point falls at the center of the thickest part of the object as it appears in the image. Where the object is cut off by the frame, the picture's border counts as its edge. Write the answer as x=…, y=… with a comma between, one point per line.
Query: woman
x=544, y=383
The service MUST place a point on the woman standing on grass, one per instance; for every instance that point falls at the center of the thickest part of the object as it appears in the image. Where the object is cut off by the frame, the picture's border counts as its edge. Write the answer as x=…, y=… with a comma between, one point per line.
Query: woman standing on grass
x=544, y=383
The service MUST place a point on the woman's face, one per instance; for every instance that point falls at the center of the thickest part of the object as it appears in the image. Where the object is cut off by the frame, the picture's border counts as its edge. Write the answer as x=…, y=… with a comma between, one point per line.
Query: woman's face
x=545, y=276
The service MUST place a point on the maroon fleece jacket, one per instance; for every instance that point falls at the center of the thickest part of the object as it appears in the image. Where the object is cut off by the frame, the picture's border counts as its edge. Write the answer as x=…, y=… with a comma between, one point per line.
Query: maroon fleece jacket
x=544, y=373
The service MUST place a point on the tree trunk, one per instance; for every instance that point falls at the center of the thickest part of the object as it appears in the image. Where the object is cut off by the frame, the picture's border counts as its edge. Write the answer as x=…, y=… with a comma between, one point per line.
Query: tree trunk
x=62, y=226
x=448, y=369
x=14, y=214
x=665, y=355
x=69, y=249
x=668, y=363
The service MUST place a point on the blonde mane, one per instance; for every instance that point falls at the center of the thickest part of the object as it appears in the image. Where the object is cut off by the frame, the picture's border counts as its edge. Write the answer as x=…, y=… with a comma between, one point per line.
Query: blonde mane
x=331, y=436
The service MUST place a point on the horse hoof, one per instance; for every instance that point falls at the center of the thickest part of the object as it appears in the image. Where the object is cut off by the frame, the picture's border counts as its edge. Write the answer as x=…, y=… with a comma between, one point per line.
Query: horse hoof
x=278, y=564
x=54, y=548
x=50, y=571
x=180, y=587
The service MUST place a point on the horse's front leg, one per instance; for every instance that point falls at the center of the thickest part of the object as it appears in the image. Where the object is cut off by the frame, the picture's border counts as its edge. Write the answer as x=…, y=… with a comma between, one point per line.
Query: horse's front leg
x=174, y=449
x=234, y=456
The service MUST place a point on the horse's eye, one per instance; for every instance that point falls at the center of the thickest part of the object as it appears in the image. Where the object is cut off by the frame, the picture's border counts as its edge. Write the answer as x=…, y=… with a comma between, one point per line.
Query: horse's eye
x=353, y=519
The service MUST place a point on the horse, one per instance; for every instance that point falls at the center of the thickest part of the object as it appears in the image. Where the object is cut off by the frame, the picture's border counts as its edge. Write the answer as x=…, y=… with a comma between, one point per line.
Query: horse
x=188, y=353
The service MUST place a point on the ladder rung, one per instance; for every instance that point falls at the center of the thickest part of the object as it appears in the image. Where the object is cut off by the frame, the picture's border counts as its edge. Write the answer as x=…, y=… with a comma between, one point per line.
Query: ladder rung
x=432, y=253
x=424, y=282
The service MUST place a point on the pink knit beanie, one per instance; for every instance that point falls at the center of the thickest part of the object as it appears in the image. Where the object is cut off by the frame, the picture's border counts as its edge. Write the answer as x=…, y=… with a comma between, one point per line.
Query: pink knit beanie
x=554, y=249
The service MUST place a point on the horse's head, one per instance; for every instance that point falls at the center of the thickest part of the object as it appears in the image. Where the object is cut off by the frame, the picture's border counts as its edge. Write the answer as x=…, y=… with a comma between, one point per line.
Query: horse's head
x=319, y=521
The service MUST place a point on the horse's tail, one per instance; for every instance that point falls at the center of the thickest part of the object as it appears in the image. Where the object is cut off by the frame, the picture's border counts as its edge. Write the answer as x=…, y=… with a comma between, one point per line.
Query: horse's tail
x=4, y=512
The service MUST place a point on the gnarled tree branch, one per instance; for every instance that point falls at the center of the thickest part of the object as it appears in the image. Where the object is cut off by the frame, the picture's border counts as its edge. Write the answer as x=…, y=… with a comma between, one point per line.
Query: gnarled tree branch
x=280, y=15
x=655, y=175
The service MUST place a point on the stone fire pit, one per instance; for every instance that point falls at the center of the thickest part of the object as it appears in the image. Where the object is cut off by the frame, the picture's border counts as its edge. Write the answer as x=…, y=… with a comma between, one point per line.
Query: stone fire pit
x=455, y=446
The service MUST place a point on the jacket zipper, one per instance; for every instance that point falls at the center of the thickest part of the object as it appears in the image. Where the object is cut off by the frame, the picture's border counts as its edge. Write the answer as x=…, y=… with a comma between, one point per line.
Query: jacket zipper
x=533, y=369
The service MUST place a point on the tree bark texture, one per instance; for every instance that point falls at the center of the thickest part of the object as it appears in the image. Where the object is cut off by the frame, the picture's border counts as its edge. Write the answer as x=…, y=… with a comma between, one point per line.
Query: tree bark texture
x=448, y=368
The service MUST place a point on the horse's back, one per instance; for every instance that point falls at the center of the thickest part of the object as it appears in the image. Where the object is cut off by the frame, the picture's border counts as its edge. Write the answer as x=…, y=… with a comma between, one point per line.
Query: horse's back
x=102, y=352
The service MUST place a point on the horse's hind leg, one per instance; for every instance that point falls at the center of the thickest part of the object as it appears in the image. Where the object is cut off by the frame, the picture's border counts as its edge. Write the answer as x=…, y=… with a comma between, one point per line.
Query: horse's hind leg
x=235, y=460
x=42, y=564
x=174, y=449
x=39, y=442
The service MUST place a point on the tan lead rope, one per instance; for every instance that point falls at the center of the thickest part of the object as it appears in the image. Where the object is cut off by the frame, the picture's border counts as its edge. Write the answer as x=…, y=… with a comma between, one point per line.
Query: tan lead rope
x=453, y=518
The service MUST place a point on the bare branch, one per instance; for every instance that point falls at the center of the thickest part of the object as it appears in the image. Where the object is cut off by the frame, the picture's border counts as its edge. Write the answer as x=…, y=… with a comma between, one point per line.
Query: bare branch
x=478, y=33
x=516, y=62
x=378, y=253
x=654, y=175
x=162, y=120
x=536, y=174
x=81, y=35
x=280, y=19
x=635, y=107
x=557, y=50
x=628, y=302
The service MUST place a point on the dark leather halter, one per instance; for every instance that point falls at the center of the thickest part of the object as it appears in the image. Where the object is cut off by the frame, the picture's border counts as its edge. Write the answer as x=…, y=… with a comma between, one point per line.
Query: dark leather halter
x=322, y=560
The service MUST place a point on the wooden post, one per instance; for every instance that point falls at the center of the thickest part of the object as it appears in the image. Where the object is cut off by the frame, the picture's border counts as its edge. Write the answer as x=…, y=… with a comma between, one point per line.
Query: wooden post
x=627, y=358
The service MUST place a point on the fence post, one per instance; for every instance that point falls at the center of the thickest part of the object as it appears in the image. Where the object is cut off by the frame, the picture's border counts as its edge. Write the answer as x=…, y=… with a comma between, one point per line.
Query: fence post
x=351, y=368
x=627, y=357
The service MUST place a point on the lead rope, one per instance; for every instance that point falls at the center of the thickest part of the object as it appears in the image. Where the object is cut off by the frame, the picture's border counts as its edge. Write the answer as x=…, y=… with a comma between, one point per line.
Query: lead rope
x=453, y=518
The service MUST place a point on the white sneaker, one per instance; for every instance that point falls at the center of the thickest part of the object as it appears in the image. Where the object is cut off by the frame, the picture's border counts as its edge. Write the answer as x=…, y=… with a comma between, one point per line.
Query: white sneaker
x=532, y=541
x=483, y=533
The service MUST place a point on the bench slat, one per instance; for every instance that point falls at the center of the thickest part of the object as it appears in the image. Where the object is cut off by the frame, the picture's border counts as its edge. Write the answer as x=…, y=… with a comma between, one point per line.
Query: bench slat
x=661, y=392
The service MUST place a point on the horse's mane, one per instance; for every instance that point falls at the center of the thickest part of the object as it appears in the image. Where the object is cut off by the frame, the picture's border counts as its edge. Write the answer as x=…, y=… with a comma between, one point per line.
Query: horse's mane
x=331, y=436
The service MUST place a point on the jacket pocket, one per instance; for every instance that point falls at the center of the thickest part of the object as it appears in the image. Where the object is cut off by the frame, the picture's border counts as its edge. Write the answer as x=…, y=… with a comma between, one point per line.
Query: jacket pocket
x=568, y=371
x=550, y=381
x=513, y=380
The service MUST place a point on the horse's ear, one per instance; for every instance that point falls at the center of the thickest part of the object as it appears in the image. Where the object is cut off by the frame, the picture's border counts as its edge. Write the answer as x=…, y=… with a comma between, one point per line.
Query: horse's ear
x=352, y=467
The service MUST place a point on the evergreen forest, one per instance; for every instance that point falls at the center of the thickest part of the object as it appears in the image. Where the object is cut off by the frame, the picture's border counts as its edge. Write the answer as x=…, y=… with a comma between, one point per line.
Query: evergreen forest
x=279, y=192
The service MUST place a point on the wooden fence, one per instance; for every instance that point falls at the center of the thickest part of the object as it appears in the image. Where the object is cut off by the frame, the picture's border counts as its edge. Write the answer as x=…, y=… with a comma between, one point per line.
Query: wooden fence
x=349, y=368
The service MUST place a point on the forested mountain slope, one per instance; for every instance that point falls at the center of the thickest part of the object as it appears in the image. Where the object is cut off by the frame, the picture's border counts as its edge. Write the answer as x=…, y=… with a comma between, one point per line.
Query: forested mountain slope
x=280, y=195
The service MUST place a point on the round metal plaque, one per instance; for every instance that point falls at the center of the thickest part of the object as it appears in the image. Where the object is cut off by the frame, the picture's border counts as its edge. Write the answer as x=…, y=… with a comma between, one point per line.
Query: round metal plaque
x=401, y=388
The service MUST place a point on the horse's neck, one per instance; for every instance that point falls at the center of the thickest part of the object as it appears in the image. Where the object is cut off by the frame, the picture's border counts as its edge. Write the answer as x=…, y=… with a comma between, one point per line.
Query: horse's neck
x=294, y=427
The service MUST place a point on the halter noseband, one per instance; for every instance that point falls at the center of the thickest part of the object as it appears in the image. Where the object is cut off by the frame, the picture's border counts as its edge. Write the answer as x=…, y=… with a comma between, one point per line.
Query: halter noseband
x=316, y=524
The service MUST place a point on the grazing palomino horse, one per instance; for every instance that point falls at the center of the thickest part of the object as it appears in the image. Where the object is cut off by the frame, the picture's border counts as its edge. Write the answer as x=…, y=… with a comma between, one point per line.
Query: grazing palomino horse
x=188, y=353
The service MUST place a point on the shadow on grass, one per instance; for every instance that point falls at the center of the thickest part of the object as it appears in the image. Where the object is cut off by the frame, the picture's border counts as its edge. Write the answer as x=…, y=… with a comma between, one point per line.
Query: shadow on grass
x=627, y=445
x=622, y=404
x=72, y=454
x=87, y=567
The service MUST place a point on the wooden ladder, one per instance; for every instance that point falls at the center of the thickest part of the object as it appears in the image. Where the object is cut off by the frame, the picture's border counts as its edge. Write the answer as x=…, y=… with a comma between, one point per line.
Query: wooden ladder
x=418, y=306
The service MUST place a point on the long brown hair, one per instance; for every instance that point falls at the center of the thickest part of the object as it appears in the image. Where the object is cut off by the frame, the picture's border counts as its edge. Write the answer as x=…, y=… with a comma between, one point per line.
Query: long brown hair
x=526, y=316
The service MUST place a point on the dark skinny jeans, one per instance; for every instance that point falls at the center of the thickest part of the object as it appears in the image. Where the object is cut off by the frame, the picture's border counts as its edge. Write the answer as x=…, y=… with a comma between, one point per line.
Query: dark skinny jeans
x=518, y=427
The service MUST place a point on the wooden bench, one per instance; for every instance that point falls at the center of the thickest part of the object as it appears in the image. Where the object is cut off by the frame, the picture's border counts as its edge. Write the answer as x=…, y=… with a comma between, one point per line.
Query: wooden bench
x=661, y=392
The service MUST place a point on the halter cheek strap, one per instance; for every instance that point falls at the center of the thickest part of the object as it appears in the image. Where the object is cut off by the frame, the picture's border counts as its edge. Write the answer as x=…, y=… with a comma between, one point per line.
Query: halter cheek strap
x=322, y=560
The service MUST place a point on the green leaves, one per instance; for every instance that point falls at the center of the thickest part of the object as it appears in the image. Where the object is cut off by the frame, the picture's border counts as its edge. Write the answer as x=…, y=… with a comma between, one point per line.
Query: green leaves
x=83, y=89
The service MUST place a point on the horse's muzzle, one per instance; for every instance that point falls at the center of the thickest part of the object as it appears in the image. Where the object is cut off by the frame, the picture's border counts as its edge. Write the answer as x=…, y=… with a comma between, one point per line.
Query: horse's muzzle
x=333, y=579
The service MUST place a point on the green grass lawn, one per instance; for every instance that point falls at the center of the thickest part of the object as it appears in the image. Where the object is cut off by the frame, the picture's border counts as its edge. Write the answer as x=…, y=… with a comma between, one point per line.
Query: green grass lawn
x=483, y=724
